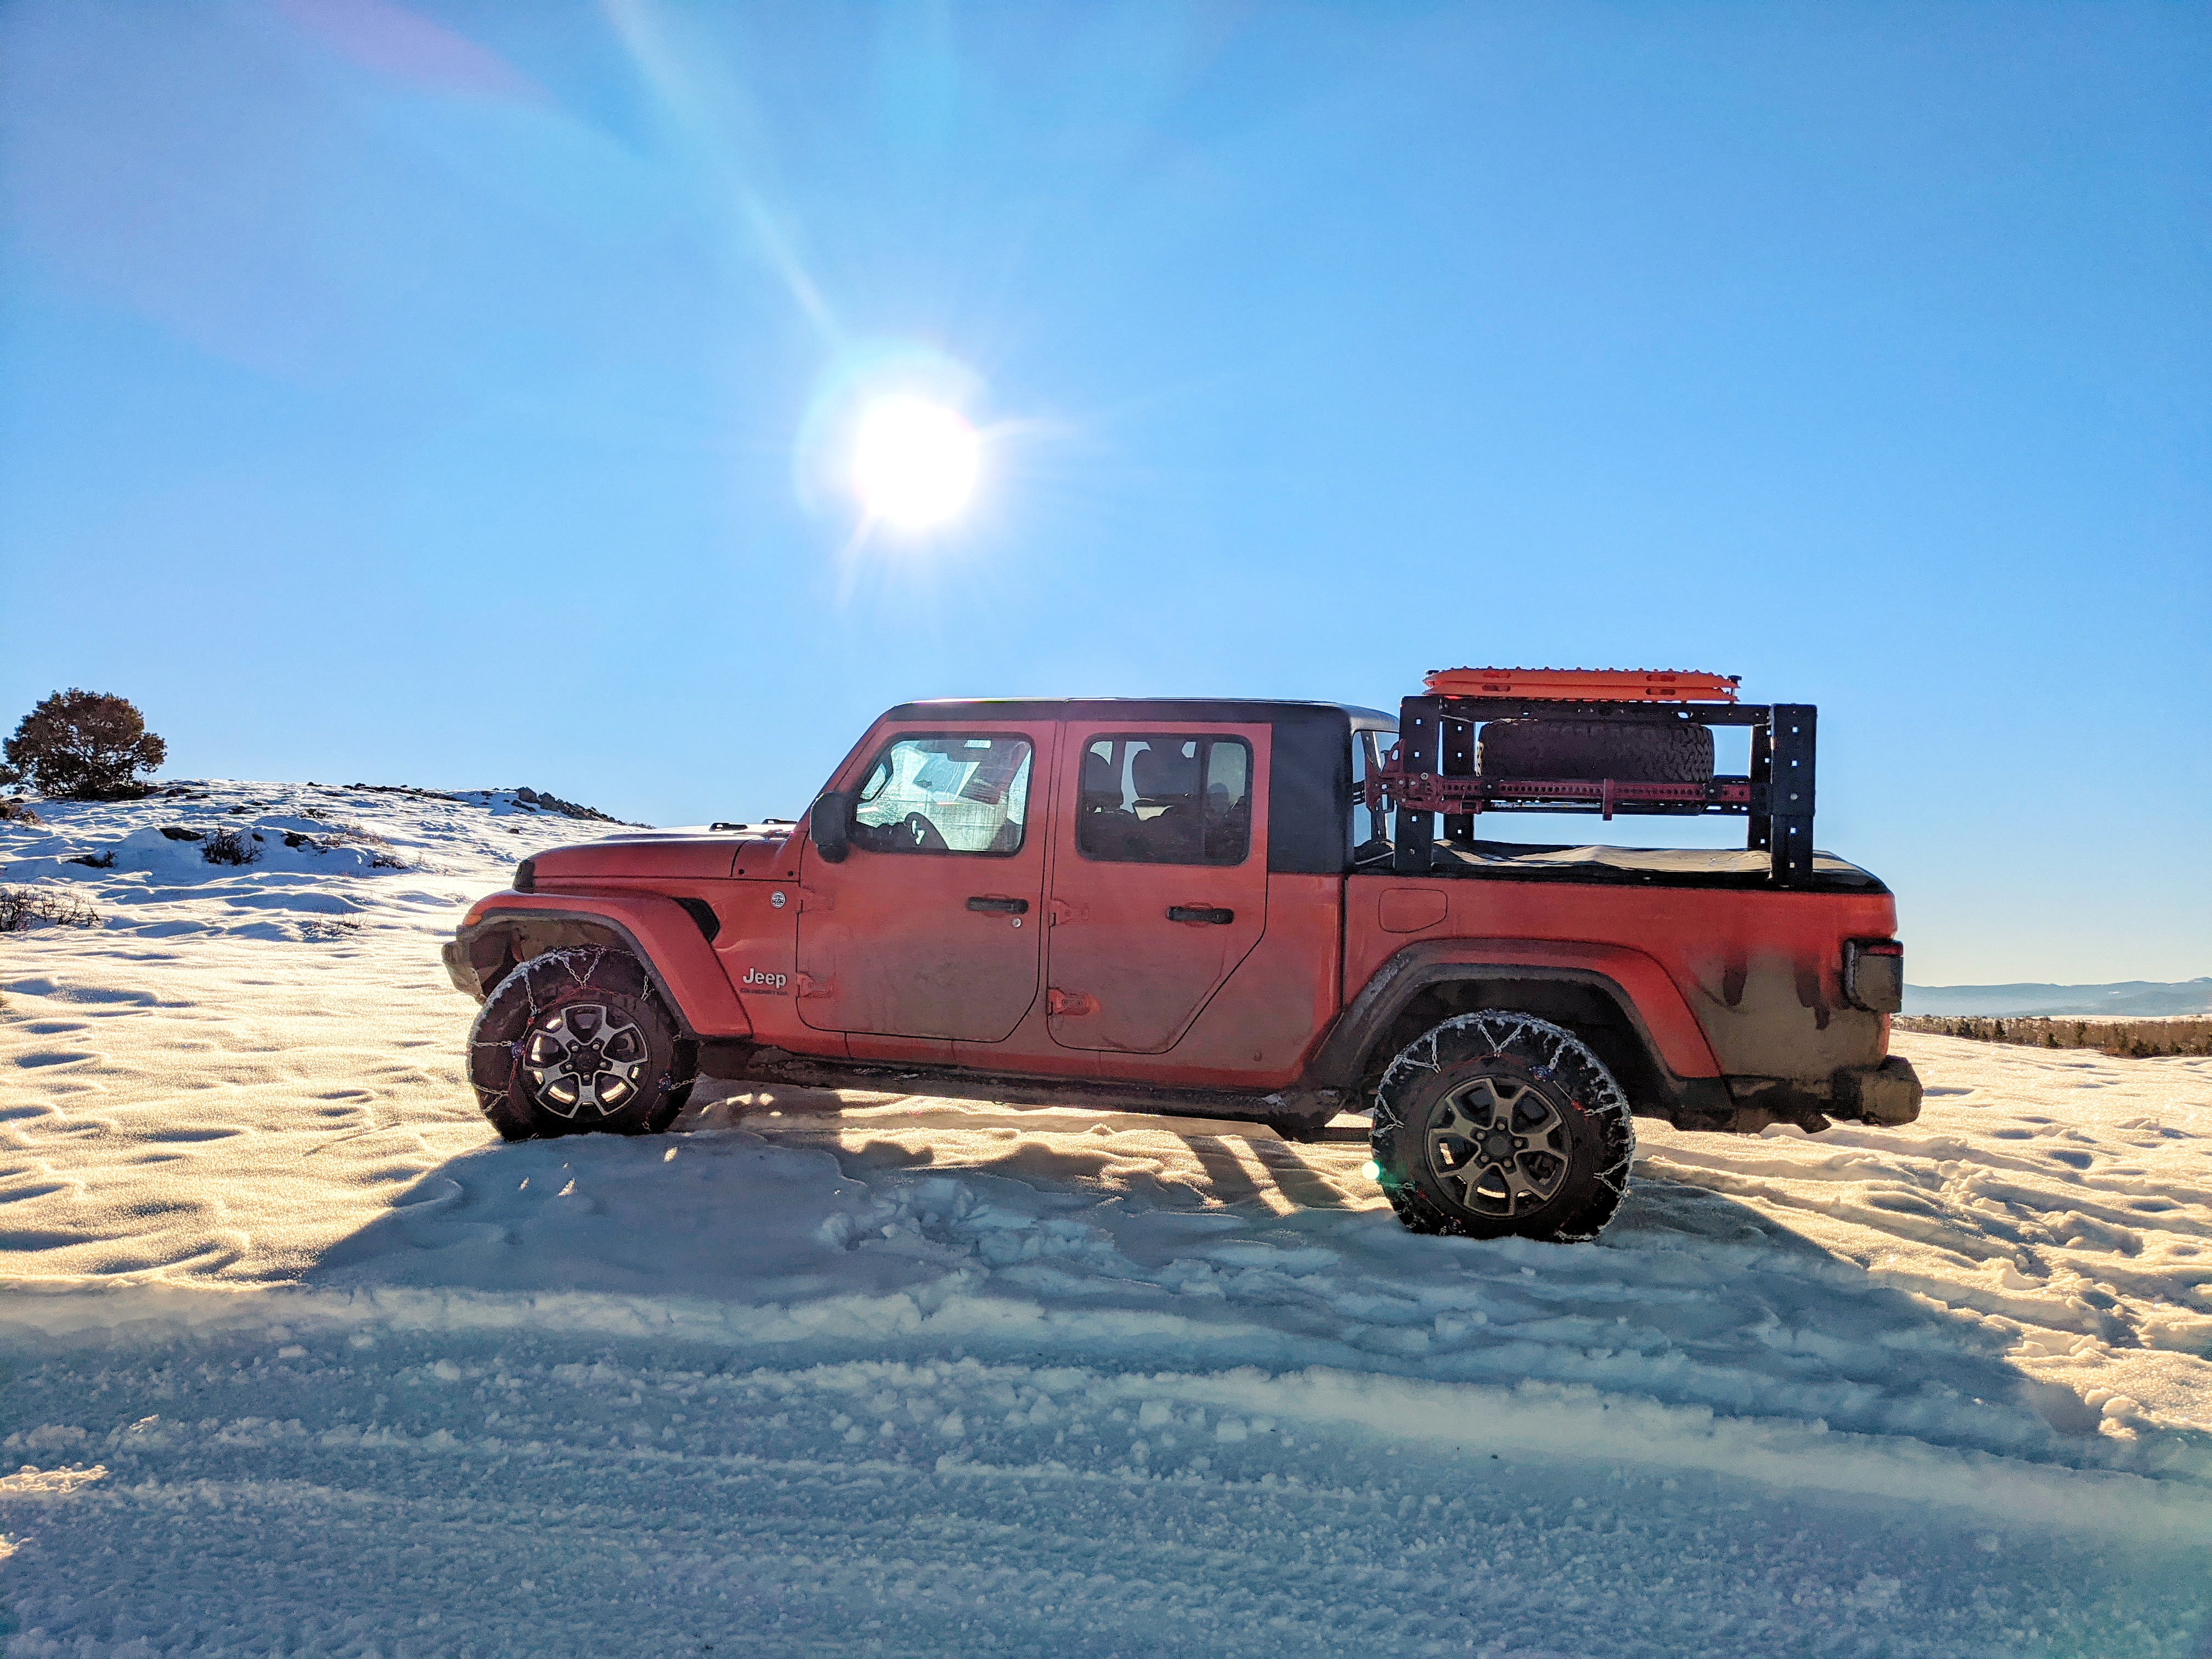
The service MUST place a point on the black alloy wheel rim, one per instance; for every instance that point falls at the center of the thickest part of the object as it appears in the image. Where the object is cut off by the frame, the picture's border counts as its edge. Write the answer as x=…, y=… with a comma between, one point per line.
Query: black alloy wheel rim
x=585, y=1060
x=1499, y=1146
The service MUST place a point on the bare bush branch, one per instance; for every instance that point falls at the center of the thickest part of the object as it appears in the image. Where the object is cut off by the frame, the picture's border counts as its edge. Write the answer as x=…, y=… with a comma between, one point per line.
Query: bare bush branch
x=229, y=846
x=23, y=908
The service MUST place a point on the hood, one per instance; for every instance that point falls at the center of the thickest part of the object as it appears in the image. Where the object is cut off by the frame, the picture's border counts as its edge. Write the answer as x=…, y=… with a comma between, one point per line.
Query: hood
x=666, y=855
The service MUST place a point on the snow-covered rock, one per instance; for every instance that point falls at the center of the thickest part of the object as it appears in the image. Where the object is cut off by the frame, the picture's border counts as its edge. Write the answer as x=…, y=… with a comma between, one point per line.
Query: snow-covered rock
x=278, y=861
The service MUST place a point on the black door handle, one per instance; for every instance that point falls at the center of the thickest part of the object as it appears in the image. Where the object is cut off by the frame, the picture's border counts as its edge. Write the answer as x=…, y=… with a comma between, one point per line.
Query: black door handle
x=1010, y=907
x=1200, y=912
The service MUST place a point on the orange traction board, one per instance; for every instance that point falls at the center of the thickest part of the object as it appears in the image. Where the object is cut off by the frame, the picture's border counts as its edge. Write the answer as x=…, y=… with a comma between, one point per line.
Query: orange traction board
x=1583, y=684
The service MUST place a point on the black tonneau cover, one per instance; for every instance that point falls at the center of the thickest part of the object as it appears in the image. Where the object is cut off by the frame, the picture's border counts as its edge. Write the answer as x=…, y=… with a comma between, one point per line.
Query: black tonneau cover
x=1642, y=866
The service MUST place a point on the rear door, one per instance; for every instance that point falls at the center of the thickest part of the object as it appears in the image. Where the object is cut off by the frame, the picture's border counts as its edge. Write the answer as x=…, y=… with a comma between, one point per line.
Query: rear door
x=930, y=926
x=1159, y=879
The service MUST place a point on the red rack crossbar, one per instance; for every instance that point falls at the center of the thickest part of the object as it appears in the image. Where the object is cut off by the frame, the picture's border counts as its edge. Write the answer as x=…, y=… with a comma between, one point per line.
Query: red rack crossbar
x=1426, y=792
x=1583, y=684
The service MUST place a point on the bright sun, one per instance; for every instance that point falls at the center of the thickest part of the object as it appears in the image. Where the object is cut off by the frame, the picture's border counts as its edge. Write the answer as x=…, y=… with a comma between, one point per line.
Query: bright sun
x=915, y=462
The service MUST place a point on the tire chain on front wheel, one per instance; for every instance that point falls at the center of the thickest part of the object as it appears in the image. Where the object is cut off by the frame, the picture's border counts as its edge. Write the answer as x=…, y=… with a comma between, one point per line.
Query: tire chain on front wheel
x=501, y=1028
x=1552, y=1052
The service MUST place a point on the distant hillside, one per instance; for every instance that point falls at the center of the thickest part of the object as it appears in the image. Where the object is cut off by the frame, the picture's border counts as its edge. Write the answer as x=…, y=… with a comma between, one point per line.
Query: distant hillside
x=2134, y=998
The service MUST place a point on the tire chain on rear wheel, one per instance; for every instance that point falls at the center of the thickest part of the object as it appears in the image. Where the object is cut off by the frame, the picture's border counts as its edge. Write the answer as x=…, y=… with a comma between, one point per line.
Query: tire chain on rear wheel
x=501, y=1032
x=1552, y=1052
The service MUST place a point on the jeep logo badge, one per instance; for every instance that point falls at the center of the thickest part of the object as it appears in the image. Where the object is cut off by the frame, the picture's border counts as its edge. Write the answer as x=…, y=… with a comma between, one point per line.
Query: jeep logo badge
x=754, y=979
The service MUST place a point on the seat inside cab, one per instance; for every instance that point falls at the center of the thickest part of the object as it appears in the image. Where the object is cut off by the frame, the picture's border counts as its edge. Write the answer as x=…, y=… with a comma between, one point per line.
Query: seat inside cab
x=1168, y=798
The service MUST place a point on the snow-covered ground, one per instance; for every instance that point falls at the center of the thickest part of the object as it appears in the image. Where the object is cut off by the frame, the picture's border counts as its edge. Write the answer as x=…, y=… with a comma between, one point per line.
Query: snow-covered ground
x=294, y=1357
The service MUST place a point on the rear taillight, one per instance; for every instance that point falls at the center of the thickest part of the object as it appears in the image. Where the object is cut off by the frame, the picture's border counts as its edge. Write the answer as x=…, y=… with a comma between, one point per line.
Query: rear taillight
x=525, y=876
x=1873, y=973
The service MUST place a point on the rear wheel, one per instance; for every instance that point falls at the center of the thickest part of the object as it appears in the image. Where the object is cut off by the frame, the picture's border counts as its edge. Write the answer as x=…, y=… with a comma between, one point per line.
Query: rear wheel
x=1497, y=1124
x=575, y=1041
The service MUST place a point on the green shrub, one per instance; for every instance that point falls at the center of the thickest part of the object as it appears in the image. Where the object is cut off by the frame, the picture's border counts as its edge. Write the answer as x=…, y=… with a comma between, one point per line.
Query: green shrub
x=83, y=745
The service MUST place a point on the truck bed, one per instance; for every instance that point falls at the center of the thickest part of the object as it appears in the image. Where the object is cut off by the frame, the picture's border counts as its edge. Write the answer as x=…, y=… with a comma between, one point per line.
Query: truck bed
x=1639, y=866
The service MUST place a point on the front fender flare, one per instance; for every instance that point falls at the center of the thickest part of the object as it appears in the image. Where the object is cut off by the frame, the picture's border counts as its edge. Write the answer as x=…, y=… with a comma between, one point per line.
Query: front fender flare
x=658, y=931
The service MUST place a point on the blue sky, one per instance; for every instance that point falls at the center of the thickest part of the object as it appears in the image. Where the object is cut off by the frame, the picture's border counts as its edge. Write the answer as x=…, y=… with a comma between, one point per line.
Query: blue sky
x=436, y=395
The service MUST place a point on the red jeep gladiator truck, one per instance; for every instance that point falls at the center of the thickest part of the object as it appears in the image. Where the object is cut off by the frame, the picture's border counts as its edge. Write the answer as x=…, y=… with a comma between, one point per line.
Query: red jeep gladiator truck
x=1238, y=909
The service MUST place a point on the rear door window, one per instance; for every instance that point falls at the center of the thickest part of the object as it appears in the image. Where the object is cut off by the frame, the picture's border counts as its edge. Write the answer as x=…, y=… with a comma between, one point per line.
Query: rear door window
x=1155, y=799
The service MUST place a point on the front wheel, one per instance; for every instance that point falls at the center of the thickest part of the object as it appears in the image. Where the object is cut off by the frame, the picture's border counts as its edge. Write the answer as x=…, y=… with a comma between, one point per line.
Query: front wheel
x=575, y=1041
x=1494, y=1124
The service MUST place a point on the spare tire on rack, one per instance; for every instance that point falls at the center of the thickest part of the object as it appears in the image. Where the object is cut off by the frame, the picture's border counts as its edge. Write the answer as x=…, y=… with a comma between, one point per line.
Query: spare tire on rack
x=1627, y=752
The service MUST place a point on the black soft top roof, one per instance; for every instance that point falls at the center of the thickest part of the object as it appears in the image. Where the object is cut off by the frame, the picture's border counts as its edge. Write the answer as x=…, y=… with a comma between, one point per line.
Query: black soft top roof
x=1308, y=786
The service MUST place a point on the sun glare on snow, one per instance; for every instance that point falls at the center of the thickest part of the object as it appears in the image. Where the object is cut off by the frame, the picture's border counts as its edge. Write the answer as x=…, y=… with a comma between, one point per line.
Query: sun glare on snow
x=915, y=462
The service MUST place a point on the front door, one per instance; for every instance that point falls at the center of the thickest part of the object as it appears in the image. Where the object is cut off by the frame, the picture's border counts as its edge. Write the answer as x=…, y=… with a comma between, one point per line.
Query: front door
x=930, y=926
x=1160, y=881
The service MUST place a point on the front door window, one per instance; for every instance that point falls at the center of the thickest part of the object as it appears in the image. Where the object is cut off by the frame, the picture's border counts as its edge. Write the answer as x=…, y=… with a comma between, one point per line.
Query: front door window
x=949, y=795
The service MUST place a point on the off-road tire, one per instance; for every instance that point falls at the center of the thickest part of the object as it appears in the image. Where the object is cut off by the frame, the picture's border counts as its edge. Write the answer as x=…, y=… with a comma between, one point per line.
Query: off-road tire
x=1572, y=1138
x=1627, y=752
x=538, y=1011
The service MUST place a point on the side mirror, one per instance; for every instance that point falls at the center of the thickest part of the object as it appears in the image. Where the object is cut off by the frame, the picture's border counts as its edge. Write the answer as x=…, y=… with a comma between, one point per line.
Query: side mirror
x=829, y=824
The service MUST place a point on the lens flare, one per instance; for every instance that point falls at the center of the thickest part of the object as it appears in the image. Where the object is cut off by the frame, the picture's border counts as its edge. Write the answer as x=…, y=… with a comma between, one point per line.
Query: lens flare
x=915, y=462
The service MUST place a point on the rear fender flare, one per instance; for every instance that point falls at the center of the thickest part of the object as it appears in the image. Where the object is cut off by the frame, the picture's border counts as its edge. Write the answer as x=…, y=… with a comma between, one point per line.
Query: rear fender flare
x=657, y=930
x=1649, y=1002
